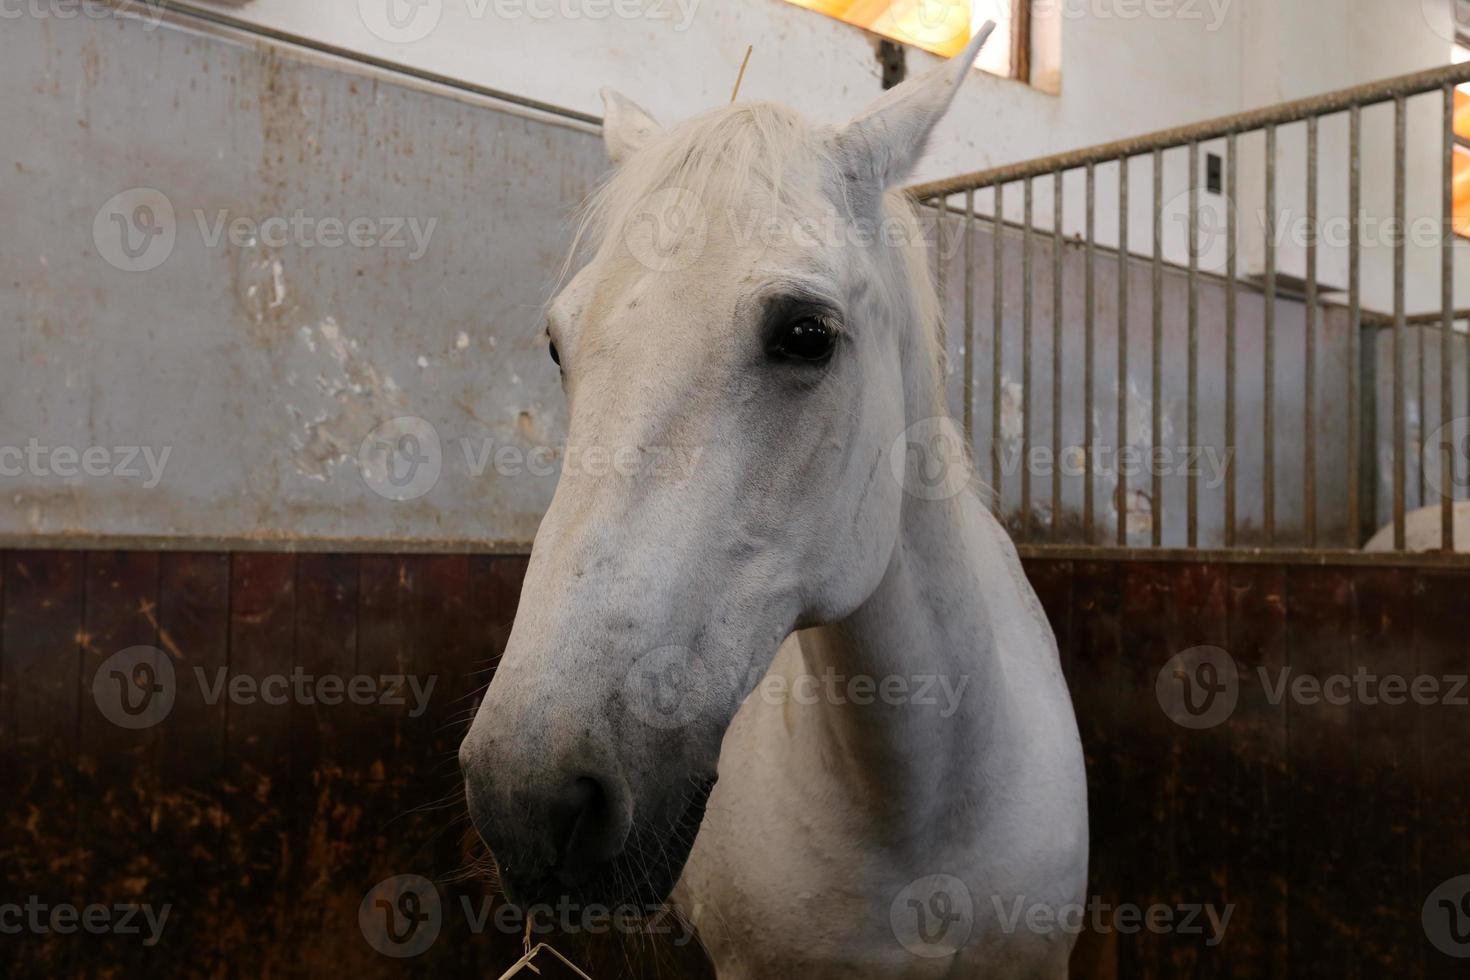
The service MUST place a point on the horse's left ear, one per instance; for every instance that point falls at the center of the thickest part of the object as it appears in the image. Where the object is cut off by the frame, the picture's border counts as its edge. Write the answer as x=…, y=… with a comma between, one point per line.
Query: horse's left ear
x=625, y=126
x=881, y=146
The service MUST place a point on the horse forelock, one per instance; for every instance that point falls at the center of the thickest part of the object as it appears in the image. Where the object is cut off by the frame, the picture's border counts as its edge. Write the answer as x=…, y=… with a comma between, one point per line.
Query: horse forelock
x=766, y=158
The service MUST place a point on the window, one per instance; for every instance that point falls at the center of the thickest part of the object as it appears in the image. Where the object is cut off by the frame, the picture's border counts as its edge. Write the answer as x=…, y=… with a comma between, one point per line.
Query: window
x=943, y=27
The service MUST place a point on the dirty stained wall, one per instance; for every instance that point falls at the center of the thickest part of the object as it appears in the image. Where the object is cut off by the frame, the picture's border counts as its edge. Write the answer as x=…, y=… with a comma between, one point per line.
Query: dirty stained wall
x=228, y=267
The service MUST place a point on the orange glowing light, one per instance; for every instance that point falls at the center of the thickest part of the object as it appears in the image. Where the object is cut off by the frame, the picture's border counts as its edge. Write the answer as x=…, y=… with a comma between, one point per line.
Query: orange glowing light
x=1461, y=184
x=941, y=27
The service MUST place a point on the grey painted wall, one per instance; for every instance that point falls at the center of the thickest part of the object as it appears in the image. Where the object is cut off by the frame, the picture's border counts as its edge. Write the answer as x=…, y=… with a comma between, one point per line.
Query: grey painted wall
x=422, y=235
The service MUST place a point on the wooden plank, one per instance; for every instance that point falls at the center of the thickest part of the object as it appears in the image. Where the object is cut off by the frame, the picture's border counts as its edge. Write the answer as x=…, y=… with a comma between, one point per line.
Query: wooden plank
x=324, y=729
x=193, y=627
x=40, y=702
x=1254, y=818
x=1101, y=695
x=261, y=804
x=1442, y=651
x=1149, y=770
x=1320, y=608
x=128, y=689
x=1198, y=617
x=441, y=620
x=1386, y=761
x=379, y=751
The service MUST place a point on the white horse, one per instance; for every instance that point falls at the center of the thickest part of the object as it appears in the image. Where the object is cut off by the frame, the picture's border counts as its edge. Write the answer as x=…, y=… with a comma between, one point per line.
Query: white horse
x=1424, y=530
x=820, y=611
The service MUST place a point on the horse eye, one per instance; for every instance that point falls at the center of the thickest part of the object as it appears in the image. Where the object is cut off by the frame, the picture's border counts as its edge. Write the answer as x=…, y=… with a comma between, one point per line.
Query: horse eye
x=555, y=357
x=807, y=339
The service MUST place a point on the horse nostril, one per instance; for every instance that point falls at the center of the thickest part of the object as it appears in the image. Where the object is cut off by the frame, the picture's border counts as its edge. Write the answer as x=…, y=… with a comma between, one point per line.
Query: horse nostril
x=583, y=828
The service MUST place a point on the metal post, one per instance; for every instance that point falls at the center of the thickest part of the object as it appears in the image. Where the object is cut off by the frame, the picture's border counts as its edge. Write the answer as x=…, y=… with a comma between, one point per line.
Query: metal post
x=997, y=471
x=1230, y=337
x=1124, y=269
x=1157, y=488
x=1268, y=373
x=1447, y=329
x=1056, y=359
x=1192, y=475
x=1355, y=327
x=1309, y=393
x=970, y=318
x=1090, y=357
x=1027, y=306
x=1400, y=422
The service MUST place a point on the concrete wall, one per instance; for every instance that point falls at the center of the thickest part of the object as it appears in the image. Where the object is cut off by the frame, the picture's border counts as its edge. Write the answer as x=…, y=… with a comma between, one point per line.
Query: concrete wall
x=229, y=271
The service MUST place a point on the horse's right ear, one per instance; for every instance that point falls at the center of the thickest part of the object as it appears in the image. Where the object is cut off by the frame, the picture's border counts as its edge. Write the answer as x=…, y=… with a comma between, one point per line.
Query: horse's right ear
x=881, y=146
x=625, y=126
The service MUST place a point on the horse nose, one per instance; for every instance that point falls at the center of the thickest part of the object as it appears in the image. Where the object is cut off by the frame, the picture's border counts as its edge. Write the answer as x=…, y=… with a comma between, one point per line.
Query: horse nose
x=549, y=832
x=584, y=829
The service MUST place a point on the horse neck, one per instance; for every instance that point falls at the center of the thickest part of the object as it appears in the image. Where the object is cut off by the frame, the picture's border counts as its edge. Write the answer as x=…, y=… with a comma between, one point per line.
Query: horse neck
x=931, y=621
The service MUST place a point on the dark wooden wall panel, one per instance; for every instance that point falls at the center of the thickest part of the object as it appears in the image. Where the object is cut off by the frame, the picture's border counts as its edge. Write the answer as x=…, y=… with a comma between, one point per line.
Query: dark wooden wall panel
x=1252, y=826
x=1324, y=827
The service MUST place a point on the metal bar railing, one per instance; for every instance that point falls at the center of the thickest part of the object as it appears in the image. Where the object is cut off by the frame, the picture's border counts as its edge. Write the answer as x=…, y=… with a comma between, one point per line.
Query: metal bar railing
x=1285, y=113
x=1286, y=279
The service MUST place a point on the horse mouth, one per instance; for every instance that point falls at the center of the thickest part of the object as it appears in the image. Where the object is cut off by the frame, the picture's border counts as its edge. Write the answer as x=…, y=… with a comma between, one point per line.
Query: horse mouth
x=640, y=878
